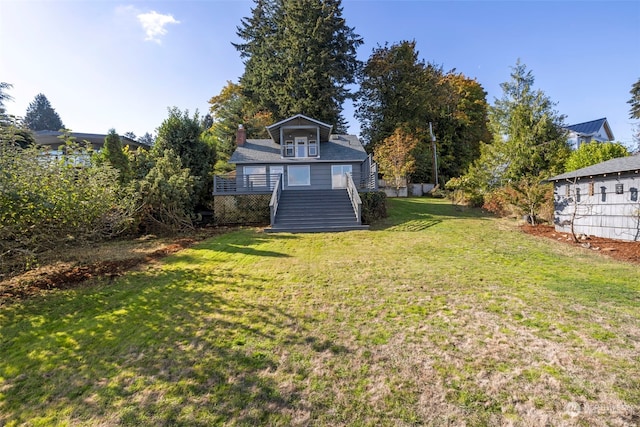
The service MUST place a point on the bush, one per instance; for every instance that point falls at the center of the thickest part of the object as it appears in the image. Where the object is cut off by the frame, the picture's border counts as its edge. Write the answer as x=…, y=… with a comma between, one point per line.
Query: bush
x=374, y=206
x=46, y=203
x=498, y=202
x=463, y=192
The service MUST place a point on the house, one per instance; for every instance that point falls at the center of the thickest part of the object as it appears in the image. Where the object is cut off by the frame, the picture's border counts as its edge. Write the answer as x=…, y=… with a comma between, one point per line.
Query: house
x=311, y=176
x=600, y=200
x=595, y=130
x=51, y=140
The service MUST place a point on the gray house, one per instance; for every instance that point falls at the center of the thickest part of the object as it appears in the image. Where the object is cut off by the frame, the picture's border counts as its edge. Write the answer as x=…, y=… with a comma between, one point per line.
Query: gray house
x=311, y=175
x=600, y=200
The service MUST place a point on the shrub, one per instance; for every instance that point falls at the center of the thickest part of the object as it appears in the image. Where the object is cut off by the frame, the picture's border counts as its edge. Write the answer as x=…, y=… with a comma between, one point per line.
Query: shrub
x=46, y=203
x=374, y=206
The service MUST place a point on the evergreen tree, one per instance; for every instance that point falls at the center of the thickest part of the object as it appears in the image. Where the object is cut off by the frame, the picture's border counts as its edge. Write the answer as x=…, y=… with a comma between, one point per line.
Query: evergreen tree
x=528, y=132
x=41, y=116
x=634, y=112
x=147, y=139
x=182, y=133
x=299, y=58
x=113, y=153
x=4, y=96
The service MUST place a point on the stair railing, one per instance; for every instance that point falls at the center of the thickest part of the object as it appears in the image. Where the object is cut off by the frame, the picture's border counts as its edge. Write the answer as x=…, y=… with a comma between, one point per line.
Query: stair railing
x=356, y=202
x=275, y=200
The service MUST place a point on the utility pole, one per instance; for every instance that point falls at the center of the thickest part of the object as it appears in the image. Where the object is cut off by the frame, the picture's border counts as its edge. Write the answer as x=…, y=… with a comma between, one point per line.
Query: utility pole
x=435, y=155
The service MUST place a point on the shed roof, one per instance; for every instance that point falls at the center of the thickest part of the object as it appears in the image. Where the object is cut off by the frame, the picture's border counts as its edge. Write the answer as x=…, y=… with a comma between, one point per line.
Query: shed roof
x=621, y=164
x=592, y=127
x=339, y=148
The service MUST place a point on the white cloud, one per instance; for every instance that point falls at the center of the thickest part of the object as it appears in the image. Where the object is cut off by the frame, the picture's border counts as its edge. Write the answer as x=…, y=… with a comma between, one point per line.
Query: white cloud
x=154, y=24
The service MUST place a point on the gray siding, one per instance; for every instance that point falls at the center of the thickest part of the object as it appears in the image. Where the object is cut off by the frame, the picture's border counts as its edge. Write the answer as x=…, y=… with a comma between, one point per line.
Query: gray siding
x=605, y=213
x=320, y=174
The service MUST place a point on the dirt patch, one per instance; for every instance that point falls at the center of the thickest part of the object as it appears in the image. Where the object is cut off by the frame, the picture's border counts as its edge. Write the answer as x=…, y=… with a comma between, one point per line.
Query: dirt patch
x=618, y=249
x=72, y=270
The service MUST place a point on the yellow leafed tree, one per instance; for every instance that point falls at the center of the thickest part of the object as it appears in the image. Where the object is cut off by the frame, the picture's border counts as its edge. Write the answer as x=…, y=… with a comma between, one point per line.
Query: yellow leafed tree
x=395, y=159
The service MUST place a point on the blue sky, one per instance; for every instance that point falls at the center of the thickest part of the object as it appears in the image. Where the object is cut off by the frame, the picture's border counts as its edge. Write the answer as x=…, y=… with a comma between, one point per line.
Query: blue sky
x=120, y=64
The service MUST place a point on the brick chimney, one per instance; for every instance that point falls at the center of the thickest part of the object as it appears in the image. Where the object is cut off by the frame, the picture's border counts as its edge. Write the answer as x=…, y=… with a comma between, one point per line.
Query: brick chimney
x=241, y=136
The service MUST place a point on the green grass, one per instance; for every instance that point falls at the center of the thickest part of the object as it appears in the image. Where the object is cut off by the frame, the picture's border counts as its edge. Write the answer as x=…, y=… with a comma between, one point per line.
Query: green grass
x=437, y=315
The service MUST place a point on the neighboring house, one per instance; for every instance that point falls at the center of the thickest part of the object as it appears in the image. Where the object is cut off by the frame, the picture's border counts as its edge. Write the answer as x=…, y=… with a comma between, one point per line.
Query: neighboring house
x=595, y=130
x=51, y=140
x=600, y=200
x=312, y=175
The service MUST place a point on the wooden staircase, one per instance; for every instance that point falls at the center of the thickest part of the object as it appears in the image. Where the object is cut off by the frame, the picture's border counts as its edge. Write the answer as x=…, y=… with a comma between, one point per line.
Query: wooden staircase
x=314, y=211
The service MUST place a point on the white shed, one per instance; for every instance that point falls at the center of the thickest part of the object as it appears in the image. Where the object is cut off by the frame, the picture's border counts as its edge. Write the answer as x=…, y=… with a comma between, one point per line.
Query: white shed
x=600, y=200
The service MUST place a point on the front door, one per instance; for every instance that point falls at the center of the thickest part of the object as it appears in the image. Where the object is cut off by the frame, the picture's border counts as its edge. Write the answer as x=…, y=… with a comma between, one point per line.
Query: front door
x=338, y=179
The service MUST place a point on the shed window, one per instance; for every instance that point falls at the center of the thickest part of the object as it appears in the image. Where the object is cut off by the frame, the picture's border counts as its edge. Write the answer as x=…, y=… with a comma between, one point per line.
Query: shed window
x=577, y=195
x=591, y=188
x=619, y=188
x=634, y=194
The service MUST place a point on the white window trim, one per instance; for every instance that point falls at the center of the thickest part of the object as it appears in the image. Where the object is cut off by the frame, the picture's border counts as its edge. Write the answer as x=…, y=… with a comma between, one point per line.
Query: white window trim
x=307, y=167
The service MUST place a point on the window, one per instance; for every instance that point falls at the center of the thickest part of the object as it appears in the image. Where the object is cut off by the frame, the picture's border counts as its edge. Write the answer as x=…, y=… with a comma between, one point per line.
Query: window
x=255, y=176
x=619, y=188
x=591, y=188
x=298, y=175
x=567, y=192
x=634, y=194
x=313, y=148
x=577, y=194
x=288, y=150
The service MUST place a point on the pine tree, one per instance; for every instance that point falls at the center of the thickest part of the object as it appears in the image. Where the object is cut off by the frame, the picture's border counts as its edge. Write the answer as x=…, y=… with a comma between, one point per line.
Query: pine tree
x=41, y=116
x=299, y=58
x=527, y=130
x=634, y=112
x=114, y=154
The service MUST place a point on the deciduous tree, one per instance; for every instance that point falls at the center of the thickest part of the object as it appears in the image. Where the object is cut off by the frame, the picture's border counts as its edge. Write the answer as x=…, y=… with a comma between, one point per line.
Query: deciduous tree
x=394, y=157
x=594, y=152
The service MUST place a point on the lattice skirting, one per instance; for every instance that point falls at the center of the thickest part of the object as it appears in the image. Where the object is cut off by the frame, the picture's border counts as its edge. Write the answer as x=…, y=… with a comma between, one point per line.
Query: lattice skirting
x=243, y=209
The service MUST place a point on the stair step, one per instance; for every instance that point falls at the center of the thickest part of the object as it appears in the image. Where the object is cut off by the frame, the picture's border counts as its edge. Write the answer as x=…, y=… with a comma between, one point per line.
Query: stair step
x=315, y=211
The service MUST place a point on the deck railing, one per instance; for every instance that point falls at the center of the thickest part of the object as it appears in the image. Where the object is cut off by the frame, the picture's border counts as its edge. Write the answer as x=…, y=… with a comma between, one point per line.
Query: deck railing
x=356, y=202
x=238, y=183
x=275, y=200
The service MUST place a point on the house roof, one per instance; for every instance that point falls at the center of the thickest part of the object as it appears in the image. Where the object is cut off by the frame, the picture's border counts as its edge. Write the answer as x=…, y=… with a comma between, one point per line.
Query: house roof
x=592, y=127
x=52, y=138
x=299, y=120
x=619, y=165
x=338, y=148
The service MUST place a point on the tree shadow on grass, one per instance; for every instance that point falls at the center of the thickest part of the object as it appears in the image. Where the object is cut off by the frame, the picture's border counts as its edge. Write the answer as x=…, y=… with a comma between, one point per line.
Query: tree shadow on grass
x=417, y=214
x=162, y=348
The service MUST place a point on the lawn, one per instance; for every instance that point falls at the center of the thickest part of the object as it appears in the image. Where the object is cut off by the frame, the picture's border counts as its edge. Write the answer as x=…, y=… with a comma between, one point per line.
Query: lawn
x=438, y=316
